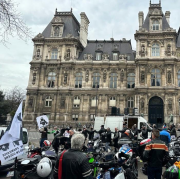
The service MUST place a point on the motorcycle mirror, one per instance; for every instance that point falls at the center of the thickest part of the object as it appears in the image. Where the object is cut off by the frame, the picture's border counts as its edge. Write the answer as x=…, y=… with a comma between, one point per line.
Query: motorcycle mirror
x=91, y=160
x=24, y=162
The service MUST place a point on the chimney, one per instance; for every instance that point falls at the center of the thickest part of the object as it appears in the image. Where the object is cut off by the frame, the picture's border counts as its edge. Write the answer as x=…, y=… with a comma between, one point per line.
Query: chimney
x=141, y=19
x=84, y=29
x=167, y=15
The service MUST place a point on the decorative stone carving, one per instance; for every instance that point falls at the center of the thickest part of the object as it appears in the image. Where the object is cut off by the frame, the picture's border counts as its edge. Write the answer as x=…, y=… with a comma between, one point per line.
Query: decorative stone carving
x=65, y=78
x=170, y=104
x=62, y=104
x=142, y=105
x=88, y=57
x=143, y=51
x=87, y=76
x=67, y=54
x=104, y=75
x=122, y=75
x=169, y=77
x=30, y=102
x=39, y=36
x=122, y=57
x=57, y=19
x=34, y=78
x=105, y=57
x=142, y=77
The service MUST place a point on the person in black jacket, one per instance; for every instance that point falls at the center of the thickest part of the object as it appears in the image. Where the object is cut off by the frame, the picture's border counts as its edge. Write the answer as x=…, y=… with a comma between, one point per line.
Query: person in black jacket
x=144, y=132
x=135, y=131
x=44, y=133
x=154, y=153
x=173, y=130
x=115, y=139
x=91, y=133
x=85, y=133
x=107, y=139
x=102, y=133
x=75, y=164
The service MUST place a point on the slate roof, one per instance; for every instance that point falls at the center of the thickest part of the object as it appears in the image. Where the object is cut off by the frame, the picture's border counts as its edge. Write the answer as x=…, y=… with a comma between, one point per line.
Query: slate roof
x=71, y=25
x=165, y=24
x=108, y=47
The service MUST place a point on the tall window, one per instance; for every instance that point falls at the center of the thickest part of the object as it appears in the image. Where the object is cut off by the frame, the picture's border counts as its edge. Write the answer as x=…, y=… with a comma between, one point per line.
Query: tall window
x=98, y=56
x=38, y=53
x=75, y=117
x=48, y=101
x=76, y=102
x=130, y=102
x=54, y=53
x=179, y=78
x=155, y=77
x=78, y=80
x=155, y=25
x=112, y=101
x=96, y=80
x=113, y=80
x=94, y=101
x=51, y=79
x=131, y=80
x=115, y=56
x=155, y=50
x=56, y=32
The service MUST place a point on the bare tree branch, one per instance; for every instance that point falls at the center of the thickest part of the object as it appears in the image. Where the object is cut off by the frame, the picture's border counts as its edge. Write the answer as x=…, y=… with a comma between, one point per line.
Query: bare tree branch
x=11, y=23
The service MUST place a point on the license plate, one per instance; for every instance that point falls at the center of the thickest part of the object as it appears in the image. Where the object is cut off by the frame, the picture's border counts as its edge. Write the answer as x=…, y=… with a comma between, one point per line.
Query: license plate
x=10, y=174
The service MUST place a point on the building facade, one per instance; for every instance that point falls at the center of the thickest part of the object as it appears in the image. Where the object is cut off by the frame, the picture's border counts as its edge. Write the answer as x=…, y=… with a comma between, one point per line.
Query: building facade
x=74, y=79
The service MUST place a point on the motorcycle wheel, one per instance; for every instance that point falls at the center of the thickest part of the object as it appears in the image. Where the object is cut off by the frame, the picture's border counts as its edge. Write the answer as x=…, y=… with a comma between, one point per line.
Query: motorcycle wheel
x=129, y=174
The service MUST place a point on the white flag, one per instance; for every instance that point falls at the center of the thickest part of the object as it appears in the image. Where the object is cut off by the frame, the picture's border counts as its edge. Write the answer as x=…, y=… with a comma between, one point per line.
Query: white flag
x=11, y=142
x=42, y=121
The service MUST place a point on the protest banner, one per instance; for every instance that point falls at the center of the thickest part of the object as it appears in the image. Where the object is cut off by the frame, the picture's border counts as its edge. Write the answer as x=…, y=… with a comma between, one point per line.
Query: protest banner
x=11, y=144
x=42, y=121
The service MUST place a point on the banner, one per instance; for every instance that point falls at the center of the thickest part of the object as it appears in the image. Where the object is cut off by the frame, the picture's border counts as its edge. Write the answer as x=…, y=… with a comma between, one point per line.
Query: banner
x=42, y=121
x=11, y=144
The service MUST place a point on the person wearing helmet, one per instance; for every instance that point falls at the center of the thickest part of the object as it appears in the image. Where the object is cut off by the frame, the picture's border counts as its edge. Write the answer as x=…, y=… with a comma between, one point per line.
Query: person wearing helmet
x=173, y=130
x=73, y=164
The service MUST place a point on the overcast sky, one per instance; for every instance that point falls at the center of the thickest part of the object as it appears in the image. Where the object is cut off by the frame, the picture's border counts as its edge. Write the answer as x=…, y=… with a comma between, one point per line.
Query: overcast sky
x=107, y=17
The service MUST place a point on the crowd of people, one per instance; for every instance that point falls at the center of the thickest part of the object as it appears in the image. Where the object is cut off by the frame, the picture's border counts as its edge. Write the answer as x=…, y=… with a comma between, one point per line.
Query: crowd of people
x=77, y=163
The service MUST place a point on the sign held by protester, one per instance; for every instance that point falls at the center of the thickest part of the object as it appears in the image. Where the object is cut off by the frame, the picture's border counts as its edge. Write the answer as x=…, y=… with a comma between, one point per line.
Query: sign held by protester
x=11, y=144
x=42, y=121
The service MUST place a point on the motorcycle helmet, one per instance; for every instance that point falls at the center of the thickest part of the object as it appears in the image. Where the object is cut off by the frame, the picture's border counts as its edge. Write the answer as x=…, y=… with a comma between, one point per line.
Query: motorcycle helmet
x=44, y=167
x=47, y=143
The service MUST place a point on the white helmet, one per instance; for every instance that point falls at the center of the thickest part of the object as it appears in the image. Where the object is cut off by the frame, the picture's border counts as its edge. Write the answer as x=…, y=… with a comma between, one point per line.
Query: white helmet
x=44, y=167
x=47, y=143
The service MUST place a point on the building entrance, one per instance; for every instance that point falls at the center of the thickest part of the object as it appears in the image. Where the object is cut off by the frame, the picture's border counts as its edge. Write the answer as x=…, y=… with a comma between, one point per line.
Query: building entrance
x=156, y=110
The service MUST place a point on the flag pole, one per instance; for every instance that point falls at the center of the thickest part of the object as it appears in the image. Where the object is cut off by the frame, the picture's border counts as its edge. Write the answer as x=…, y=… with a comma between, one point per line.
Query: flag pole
x=15, y=167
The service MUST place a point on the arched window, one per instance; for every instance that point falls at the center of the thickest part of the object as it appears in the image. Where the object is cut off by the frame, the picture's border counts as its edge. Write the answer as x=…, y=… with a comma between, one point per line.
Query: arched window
x=179, y=78
x=54, y=53
x=56, y=32
x=96, y=80
x=48, y=101
x=131, y=80
x=38, y=53
x=155, y=50
x=130, y=102
x=155, y=25
x=78, y=80
x=51, y=80
x=112, y=101
x=155, y=77
x=113, y=80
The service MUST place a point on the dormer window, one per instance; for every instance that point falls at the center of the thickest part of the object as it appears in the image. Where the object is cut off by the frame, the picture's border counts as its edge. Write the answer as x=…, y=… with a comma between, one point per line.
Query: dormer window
x=155, y=25
x=115, y=56
x=56, y=32
x=98, y=56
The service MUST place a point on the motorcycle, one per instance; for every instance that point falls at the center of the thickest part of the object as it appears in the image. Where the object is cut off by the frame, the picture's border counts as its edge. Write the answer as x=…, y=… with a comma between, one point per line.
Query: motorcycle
x=128, y=161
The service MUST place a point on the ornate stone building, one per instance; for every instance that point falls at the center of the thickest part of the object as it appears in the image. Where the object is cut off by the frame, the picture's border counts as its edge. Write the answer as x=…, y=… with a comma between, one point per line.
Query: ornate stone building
x=73, y=78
